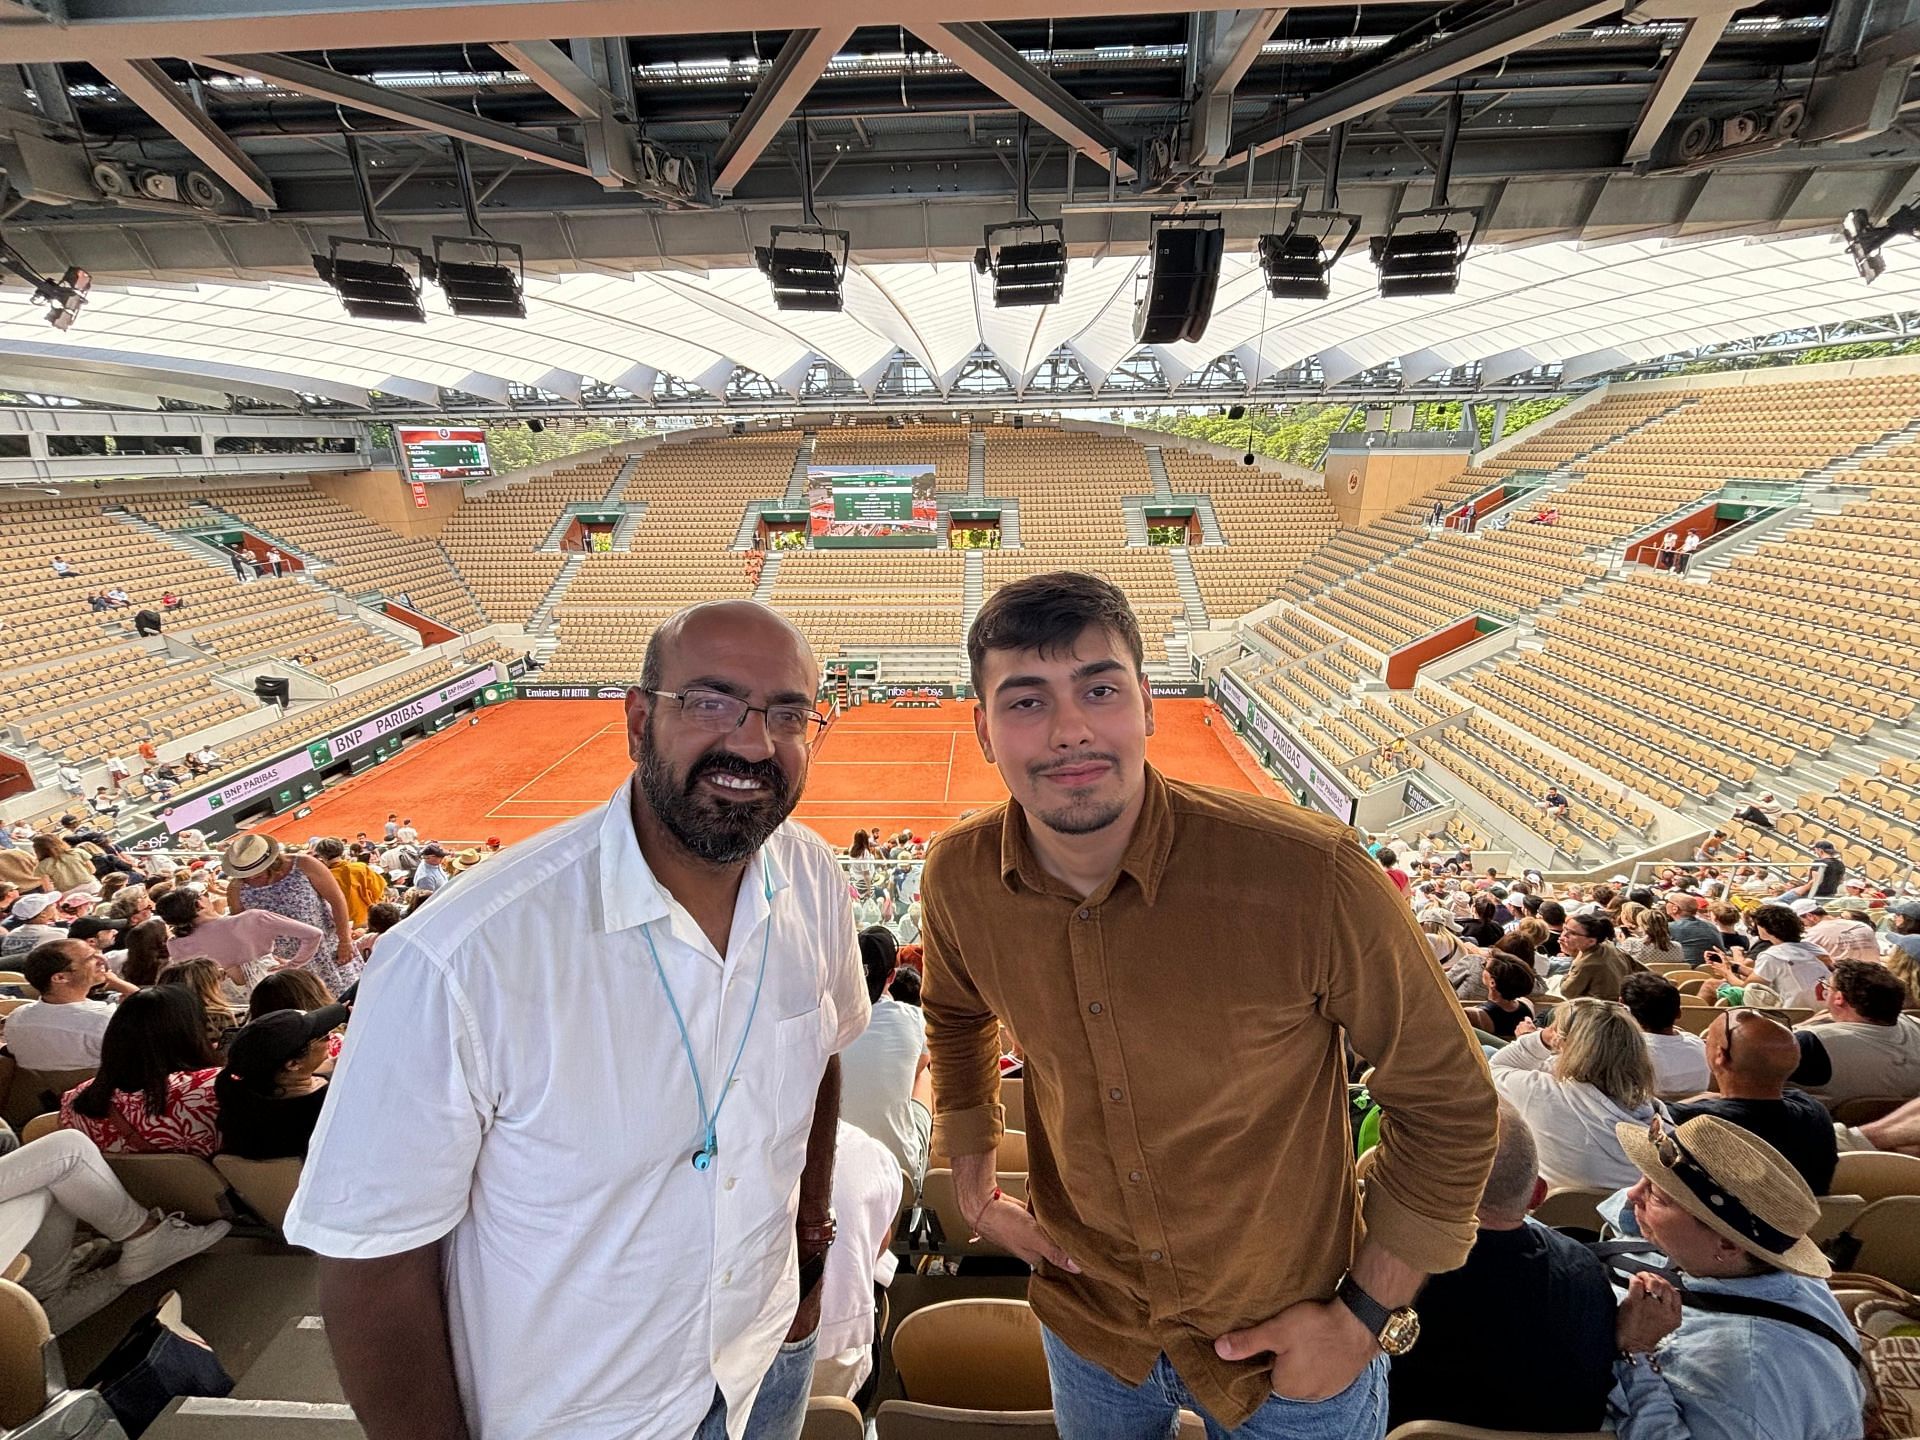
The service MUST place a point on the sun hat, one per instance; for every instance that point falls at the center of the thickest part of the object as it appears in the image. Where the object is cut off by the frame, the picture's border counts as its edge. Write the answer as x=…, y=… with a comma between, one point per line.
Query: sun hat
x=1735, y=1184
x=250, y=854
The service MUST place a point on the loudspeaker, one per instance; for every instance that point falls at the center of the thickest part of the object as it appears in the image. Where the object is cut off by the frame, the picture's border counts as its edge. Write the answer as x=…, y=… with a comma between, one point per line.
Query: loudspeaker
x=273, y=687
x=1179, y=297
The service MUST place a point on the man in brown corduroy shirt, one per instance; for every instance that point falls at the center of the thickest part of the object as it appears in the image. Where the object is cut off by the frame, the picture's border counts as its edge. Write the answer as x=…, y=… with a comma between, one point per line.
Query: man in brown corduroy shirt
x=1180, y=966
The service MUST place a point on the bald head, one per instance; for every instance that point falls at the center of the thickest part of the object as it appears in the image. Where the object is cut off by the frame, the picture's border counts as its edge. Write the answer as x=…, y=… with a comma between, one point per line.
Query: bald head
x=732, y=625
x=1751, y=1055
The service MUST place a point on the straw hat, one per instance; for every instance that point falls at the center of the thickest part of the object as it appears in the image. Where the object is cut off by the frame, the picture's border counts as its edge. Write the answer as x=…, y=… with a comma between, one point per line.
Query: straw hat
x=250, y=854
x=1735, y=1184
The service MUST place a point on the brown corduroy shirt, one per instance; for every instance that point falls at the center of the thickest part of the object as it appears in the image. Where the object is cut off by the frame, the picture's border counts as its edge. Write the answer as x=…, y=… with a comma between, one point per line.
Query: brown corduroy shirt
x=1185, y=1085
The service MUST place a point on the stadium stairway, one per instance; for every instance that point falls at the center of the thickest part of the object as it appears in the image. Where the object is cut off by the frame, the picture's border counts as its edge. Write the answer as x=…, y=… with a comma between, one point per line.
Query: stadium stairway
x=769, y=572
x=976, y=464
x=972, y=587
x=204, y=550
x=802, y=458
x=1189, y=587
x=540, y=622
x=620, y=480
x=1133, y=511
x=1157, y=467
x=1841, y=471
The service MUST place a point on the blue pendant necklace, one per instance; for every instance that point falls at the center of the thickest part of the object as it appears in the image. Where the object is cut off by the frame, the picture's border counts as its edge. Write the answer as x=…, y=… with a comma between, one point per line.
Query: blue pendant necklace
x=710, y=1119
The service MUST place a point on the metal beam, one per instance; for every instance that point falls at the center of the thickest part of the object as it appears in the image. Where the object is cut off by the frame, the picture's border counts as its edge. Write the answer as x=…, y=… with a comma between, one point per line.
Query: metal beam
x=395, y=105
x=801, y=61
x=553, y=70
x=1676, y=77
x=147, y=85
x=1415, y=70
x=1001, y=68
x=1231, y=43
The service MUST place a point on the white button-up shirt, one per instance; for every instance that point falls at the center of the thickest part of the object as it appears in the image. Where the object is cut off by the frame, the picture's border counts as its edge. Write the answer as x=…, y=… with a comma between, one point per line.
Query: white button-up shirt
x=513, y=1079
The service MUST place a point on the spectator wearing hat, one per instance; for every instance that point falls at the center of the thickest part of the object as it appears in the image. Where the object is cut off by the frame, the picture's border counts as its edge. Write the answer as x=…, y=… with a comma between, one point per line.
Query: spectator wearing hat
x=1752, y=1057
x=1760, y=1350
x=1866, y=1042
x=300, y=888
x=431, y=874
x=271, y=1091
x=62, y=1029
x=361, y=884
x=1679, y=1057
x=1516, y=1267
x=102, y=932
x=36, y=922
x=1834, y=926
x=1903, y=927
x=153, y=1090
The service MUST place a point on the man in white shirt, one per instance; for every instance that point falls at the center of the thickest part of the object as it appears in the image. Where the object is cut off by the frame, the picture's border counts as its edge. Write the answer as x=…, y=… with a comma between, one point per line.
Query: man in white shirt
x=406, y=834
x=62, y=1029
x=70, y=780
x=1833, y=927
x=886, y=1086
x=1679, y=1059
x=273, y=561
x=866, y=1201
x=36, y=916
x=588, y=1103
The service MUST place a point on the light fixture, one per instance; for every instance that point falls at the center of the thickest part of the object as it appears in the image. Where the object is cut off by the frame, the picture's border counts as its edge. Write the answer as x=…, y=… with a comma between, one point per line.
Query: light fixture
x=63, y=297
x=1422, y=262
x=1864, y=238
x=375, y=278
x=1027, y=256
x=1297, y=263
x=1176, y=300
x=481, y=285
x=806, y=265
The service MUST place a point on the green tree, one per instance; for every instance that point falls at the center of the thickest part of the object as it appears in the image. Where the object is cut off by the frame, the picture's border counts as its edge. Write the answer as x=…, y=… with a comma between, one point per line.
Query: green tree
x=514, y=447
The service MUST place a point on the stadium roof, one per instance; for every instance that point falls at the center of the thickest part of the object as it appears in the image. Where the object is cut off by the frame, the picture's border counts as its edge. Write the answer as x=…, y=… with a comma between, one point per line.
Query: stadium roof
x=1621, y=157
x=1581, y=310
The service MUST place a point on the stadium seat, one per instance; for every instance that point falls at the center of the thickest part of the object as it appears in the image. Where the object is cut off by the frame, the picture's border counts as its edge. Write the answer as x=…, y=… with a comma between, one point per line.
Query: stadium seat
x=830, y=1417
x=265, y=1186
x=1875, y=1175
x=40, y=1125
x=183, y=1183
x=973, y=1354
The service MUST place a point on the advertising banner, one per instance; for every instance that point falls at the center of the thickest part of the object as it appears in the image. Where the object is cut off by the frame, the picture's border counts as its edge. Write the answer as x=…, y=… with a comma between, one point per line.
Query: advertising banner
x=235, y=792
x=325, y=752
x=1231, y=697
x=1291, y=757
x=571, y=692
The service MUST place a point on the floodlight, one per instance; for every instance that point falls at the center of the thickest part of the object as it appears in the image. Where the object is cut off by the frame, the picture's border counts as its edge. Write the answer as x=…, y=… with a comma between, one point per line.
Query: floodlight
x=375, y=279
x=63, y=297
x=1422, y=262
x=1026, y=271
x=805, y=275
x=1298, y=265
x=1864, y=238
x=484, y=286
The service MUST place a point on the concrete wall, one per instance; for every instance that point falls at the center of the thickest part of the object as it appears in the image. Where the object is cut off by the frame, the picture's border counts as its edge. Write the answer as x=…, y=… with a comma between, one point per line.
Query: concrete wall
x=386, y=497
x=1363, y=485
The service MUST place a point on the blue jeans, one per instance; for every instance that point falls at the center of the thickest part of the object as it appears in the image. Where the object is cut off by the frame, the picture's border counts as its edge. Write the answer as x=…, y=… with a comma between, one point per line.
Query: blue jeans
x=780, y=1409
x=1089, y=1404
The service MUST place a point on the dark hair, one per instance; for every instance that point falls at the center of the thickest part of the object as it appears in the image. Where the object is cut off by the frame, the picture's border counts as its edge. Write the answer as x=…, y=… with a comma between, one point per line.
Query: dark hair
x=861, y=844
x=288, y=990
x=1599, y=926
x=1386, y=858
x=1551, y=911
x=146, y=953
x=1872, y=989
x=905, y=986
x=48, y=959
x=1513, y=978
x=1515, y=944
x=879, y=957
x=1484, y=907
x=152, y=1033
x=1603, y=896
x=329, y=849
x=180, y=909
x=1778, y=921
x=1047, y=613
x=1640, y=895
x=383, y=917
x=1652, y=1000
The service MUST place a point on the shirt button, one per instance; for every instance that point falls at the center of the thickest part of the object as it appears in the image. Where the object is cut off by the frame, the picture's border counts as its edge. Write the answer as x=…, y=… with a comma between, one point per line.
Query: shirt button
x=1113, y=1094
x=1153, y=1255
x=732, y=1180
x=1134, y=1175
x=1095, y=1008
x=1086, y=914
x=727, y=1279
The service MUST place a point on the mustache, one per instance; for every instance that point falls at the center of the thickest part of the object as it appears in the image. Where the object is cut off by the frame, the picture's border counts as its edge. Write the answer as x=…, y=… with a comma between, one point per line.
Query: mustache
x=765, y=771
x=1085, y=758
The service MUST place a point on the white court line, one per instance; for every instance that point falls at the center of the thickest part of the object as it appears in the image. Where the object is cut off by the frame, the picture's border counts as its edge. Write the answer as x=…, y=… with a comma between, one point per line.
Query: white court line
x=558, y=763
x=953, y=742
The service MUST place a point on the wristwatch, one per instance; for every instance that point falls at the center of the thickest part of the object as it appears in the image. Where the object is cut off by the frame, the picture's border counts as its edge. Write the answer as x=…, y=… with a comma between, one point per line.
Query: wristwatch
x=1396, y=1330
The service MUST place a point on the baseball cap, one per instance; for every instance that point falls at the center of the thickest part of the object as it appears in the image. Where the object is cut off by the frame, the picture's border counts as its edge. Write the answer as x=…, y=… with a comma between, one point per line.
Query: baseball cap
x=432, y=850
x=76, y=901
x=259, y=1049
x=1906, y=909
x=1807, y=906
x=31, y=907
x=1826, y=845
x=88, y=926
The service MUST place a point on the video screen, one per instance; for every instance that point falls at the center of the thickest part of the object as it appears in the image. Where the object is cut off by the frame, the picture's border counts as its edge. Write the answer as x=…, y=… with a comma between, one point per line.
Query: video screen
x=872, y=506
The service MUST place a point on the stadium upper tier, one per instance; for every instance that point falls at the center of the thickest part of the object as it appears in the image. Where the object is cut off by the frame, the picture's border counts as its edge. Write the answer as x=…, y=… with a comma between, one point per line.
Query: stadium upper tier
x=1652, y=698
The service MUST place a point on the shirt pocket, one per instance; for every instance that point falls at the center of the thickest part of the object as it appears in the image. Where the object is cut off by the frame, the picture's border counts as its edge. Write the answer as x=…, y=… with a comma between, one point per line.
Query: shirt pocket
x=800, y=1044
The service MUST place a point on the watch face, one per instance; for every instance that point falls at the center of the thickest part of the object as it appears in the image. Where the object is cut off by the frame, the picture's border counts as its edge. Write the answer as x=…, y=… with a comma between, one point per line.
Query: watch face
x=1400, y=1331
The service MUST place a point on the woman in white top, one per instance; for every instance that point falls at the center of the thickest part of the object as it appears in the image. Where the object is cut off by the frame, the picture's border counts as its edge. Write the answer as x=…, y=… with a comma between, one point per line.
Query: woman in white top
x=1574, y=1081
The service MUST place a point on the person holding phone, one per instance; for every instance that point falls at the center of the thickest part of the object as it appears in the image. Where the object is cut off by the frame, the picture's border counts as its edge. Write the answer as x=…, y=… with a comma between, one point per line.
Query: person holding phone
x=1792, y=968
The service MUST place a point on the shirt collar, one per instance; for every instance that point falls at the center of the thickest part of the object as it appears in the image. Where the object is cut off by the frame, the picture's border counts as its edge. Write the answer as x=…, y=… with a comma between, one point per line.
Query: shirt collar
x=1145, y=858
x=631, y=895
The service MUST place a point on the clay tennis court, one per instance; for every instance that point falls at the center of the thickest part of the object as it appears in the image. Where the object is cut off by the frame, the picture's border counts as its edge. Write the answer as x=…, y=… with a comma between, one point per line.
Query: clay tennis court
x=533, y=763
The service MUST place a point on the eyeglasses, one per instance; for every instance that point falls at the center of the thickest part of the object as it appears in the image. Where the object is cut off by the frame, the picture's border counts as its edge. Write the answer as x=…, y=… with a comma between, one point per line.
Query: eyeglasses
x=718, y=714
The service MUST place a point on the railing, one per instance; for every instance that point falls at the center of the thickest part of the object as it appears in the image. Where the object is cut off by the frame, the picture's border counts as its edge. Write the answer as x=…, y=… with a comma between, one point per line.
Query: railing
x=1400, y=440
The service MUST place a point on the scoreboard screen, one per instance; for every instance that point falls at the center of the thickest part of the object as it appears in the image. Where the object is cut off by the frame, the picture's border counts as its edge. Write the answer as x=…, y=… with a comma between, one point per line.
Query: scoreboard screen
x=443, y=452
x=872, y=506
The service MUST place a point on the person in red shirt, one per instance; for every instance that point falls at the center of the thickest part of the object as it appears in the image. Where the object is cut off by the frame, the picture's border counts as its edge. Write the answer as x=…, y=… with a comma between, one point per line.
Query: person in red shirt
x=1390, y=862
x=153, y=1092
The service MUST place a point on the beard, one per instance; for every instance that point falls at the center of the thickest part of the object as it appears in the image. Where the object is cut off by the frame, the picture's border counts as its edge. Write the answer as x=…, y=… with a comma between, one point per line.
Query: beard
x=1080, y=814
x=717, y=831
